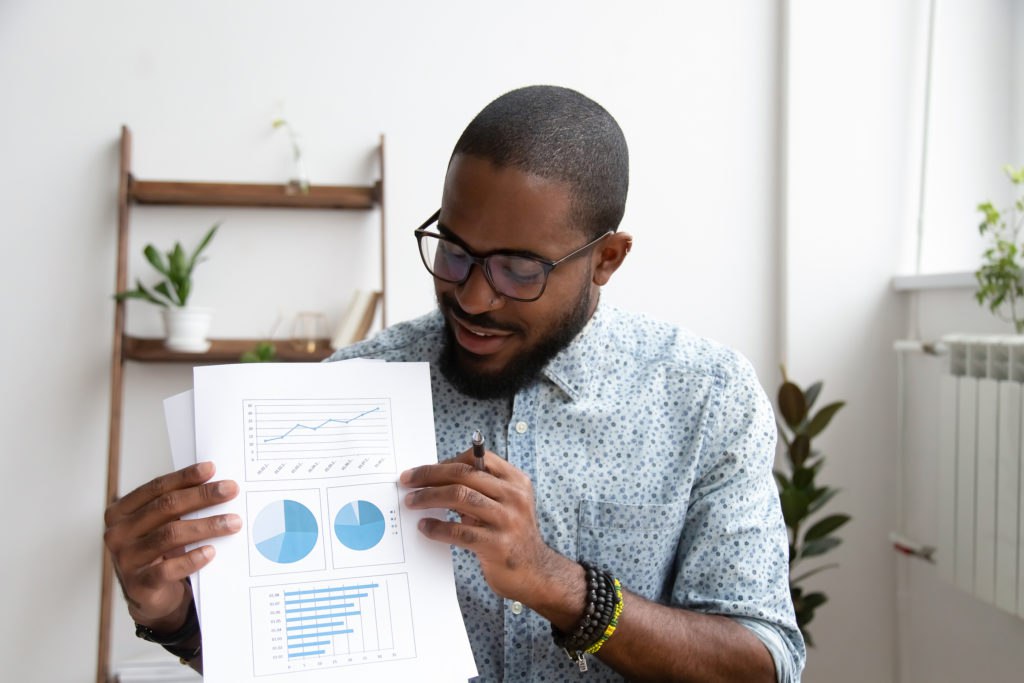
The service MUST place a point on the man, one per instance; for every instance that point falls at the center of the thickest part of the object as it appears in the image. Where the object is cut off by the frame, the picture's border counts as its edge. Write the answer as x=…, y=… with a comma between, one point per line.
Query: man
x=626, y=507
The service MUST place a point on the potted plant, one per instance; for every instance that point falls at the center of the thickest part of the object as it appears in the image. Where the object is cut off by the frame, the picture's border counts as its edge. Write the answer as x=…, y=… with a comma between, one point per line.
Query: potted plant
x=186, y=325
x=999, y=277
x=801, y=496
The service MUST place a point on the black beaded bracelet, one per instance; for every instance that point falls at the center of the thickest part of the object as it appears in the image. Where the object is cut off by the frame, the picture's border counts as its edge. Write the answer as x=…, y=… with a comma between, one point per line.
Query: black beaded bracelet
x=602, y=601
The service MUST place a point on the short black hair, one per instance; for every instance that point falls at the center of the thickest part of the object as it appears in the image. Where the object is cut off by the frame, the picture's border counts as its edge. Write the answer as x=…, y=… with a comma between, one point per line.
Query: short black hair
x=561, y=135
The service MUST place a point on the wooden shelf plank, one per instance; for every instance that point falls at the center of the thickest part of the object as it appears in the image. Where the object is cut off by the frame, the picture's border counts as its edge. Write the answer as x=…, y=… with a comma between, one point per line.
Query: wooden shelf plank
x=251, y=194
x=221, y=351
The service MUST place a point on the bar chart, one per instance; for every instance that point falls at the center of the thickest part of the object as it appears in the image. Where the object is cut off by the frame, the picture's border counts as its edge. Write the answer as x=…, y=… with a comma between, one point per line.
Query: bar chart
x=338, y=623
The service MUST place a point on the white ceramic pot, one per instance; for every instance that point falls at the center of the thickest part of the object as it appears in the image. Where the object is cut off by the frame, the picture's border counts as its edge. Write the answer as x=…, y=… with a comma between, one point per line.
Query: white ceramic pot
x=187, y=328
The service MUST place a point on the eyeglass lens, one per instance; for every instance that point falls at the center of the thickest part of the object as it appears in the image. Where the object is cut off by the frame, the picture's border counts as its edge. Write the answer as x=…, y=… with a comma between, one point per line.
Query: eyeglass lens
x=514, y=276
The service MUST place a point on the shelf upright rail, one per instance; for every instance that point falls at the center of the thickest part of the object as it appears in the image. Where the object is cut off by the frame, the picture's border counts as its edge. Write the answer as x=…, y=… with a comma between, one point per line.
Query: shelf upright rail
x=124, y=347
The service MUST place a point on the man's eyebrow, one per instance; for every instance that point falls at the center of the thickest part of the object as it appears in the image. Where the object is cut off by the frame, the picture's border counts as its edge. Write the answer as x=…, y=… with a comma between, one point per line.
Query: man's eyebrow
x=447, y=233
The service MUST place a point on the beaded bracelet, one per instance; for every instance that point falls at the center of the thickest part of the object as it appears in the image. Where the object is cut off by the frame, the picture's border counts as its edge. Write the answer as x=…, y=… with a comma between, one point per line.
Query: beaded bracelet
x=610, y=629
x=600, y=617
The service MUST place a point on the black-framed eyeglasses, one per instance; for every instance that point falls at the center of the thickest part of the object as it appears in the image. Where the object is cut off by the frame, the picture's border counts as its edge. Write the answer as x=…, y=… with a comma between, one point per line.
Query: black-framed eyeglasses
x=514, y=275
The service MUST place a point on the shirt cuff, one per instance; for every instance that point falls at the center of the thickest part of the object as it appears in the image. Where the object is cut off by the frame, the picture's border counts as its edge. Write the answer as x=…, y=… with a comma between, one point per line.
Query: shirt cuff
x=786, y=670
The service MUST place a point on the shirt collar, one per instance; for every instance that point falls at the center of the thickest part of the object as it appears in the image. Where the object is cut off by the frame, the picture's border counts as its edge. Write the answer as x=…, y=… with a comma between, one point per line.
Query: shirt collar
x=571, y=368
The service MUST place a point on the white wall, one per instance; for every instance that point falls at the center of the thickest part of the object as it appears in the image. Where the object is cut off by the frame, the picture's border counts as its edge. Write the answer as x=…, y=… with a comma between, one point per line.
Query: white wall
x=697, y=89
x=850, y=154
x=856, y=94
x=693, y=85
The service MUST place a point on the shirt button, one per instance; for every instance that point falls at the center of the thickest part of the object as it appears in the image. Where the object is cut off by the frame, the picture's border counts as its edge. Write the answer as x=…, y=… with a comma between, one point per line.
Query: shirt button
x=521, y=427
x=517, y=607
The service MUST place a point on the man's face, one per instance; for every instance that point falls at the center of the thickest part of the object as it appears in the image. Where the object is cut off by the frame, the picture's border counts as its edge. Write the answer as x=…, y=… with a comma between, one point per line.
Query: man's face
x=495, y=345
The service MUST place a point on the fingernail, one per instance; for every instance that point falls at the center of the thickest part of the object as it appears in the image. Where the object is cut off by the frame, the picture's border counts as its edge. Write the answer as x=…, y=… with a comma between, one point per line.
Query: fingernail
x=405, y=476
x=208, y=552
x=232, y=522
x=224, y=488
x=409, y=498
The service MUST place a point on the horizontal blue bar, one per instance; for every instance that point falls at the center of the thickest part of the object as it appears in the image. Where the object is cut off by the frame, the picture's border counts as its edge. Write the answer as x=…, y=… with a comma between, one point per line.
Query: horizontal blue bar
x=340, y=605
x=331, y=615
x=342, y=632
x=337, y=597
x=313, y=591
x=332, y=624
x=317, y=644
x=293, y=655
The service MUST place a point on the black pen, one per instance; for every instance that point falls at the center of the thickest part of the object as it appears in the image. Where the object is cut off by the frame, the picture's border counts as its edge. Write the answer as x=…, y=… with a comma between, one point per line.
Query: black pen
x=478, y=450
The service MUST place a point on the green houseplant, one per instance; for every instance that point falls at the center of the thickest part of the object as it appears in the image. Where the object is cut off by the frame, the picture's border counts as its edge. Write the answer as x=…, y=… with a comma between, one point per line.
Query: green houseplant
x=800, y=494
x=186, y=325
x=1000, y=285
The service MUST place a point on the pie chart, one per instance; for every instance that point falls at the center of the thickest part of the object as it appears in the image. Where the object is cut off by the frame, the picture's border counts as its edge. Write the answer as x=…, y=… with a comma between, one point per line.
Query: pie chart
x=285, y=531
x=359, y=525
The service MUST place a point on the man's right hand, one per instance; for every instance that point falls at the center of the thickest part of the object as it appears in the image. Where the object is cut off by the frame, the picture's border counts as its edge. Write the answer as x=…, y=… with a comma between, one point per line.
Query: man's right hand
x=147, y=537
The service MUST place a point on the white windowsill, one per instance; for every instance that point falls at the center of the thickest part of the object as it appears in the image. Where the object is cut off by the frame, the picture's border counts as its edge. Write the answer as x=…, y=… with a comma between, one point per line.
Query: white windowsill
x=916, y=283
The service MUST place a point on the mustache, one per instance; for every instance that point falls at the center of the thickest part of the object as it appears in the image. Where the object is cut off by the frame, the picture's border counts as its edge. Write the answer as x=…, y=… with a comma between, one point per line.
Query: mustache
x=450, y=306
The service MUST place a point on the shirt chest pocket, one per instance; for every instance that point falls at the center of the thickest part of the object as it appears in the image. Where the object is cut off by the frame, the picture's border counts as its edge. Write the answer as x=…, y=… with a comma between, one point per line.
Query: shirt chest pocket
x=636, y=543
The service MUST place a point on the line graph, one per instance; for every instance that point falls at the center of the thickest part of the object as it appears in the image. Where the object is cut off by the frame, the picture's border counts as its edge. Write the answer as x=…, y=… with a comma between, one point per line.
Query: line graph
x=295, y=438
x=326, y=422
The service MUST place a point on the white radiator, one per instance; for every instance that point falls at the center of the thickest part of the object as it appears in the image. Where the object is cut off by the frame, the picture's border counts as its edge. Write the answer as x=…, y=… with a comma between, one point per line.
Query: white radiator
x=981, y=499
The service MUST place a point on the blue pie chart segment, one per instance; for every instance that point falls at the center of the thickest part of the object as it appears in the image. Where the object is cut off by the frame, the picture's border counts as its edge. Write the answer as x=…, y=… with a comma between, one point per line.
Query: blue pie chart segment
x=285, y=531
x=359, y=525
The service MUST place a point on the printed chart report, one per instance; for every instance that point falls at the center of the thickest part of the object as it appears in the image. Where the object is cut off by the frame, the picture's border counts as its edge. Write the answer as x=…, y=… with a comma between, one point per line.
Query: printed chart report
x=329, y=578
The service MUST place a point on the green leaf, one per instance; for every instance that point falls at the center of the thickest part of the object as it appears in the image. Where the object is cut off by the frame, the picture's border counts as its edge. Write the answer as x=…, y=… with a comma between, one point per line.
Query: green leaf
x=823, y=417
x=808, y=641
x=808, y=574
x=819, y=546
x=163, y=290
x=155, y=258
x=811, y=395
x=178, y=269
x=794, y=506
x=812, y=601
x=991, y=215
x=826, y=526
x=202, y=245
x=791, y=404
x=184, y=288
x=819, y=498
x=803, y=479
x=799, y=451
x=140, y=292
x=782, y=479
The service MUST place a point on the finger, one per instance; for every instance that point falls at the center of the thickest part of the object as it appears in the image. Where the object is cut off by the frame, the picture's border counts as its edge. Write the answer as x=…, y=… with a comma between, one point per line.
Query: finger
x=462, y=499
x=169, y=540
x=176, y=569
x=453, y=533
x=494, y=465
x=167, y=508
x=452, y=472
x=187, y=477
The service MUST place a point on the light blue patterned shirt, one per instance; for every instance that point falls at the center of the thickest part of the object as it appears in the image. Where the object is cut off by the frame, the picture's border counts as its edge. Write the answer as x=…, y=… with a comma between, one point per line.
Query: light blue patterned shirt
x=650, y=452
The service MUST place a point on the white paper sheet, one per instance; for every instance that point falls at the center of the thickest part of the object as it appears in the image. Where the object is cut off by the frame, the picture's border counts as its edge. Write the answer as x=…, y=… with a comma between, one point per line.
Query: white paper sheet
x=180, y=416
x=329, y=578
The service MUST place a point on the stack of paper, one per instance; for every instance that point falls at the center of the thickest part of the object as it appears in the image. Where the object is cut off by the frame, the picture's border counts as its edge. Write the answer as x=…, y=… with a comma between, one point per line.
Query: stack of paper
x=329, y=578
x=162, y=671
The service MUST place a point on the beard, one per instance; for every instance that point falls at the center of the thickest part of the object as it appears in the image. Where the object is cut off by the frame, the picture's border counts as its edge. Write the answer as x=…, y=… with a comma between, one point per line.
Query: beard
x=456, y=364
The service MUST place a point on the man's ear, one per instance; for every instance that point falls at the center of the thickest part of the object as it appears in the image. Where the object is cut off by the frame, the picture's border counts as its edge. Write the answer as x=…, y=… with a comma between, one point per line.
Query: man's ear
x=610, y=255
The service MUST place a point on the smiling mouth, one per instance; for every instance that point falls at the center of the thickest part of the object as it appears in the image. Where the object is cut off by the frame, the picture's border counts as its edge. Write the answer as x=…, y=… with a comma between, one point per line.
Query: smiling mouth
x=479, y=341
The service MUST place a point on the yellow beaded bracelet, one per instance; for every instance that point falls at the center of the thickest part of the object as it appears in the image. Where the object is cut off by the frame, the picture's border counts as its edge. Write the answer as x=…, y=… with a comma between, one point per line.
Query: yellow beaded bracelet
x=614, y=622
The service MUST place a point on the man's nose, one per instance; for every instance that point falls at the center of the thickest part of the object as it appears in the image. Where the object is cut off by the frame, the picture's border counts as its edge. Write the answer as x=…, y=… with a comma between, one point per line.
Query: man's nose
x=476, y=295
